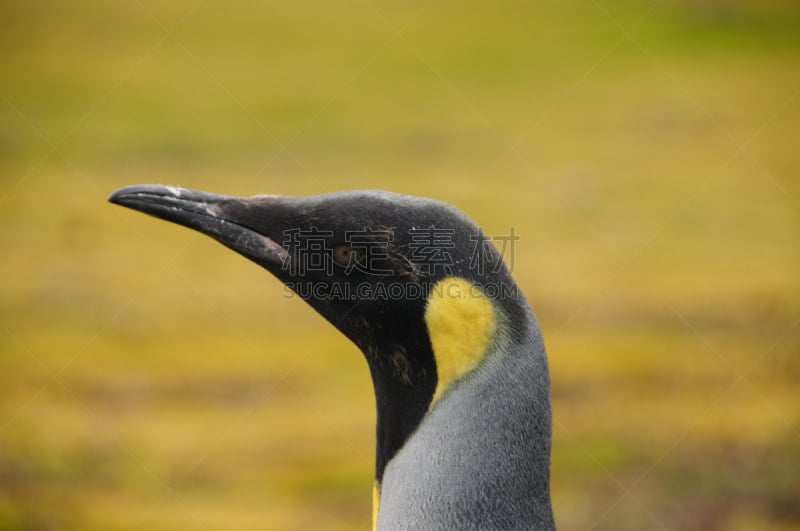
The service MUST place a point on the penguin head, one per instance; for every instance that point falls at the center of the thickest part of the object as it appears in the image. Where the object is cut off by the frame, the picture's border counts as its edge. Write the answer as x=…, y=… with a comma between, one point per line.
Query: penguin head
x=377, y=265
x=362, y=259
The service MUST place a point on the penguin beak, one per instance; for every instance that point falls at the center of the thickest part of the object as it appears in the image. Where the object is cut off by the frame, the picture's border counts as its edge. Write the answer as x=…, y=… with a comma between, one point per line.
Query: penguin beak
x=206, y=213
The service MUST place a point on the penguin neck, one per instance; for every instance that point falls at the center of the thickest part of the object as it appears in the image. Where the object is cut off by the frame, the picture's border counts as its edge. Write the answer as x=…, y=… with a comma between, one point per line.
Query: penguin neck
x=404, y=381
x=482, y=452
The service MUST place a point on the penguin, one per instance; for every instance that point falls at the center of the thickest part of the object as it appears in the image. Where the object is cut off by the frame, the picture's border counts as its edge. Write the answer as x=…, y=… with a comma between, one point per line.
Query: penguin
x=456, y=356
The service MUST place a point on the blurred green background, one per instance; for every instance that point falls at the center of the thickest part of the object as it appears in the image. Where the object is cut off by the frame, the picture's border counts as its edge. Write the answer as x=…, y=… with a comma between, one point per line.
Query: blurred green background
x=646, y=153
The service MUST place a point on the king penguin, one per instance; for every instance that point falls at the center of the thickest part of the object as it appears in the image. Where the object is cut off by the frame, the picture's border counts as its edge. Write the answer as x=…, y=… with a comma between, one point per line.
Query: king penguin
x=456, y=356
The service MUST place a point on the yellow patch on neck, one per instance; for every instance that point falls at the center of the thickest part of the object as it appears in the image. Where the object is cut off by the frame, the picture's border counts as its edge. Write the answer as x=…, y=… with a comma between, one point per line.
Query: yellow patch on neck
x=461, y=322
x=376, y=503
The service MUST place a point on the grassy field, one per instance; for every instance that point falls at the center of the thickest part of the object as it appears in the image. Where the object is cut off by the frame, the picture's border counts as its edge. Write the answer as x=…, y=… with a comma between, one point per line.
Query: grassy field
x=646, y=153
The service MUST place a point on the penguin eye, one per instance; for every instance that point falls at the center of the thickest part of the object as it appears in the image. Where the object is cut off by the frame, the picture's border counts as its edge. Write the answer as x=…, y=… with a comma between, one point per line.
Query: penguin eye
x=345, y=255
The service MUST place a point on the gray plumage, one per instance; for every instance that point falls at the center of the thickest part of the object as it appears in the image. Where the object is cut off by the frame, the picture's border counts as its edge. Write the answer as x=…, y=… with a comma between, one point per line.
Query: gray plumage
x=480, y=459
